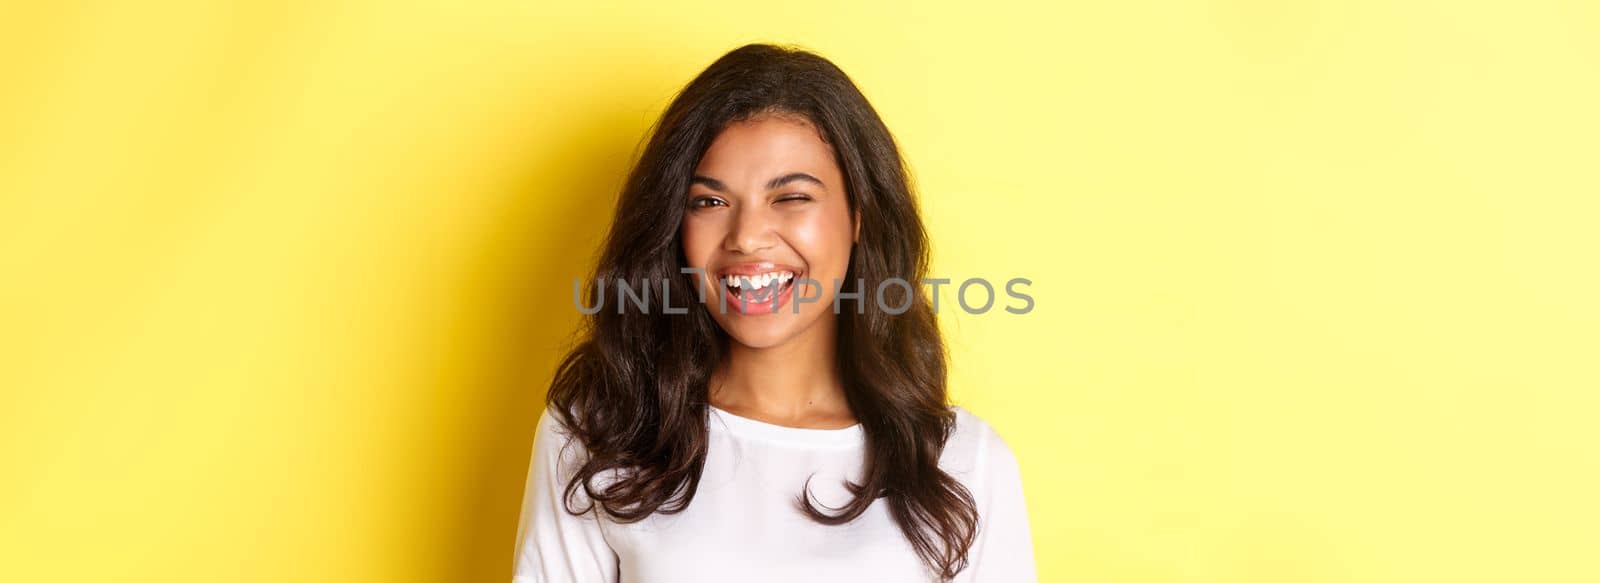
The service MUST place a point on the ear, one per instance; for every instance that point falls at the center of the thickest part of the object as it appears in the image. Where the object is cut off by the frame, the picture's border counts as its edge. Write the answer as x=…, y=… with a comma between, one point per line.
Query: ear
x=857, y=236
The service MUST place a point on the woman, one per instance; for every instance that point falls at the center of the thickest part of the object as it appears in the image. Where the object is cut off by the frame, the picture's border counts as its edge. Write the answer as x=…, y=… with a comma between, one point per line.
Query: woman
x=794, y=425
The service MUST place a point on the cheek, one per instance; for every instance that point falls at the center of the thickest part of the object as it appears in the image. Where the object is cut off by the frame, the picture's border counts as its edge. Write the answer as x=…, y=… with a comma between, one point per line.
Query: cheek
x=699, y=242
x=822, y=239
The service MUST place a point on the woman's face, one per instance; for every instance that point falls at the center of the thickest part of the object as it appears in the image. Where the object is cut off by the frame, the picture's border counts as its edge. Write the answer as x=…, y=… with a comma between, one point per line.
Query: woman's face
x=767, y=208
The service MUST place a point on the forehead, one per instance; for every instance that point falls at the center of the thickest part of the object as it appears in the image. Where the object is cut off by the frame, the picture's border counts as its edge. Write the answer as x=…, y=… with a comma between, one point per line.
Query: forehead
x=757, y=149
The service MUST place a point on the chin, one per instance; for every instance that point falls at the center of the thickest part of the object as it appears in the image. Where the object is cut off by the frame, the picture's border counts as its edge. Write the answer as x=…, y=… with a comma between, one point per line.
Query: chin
x=758, y=334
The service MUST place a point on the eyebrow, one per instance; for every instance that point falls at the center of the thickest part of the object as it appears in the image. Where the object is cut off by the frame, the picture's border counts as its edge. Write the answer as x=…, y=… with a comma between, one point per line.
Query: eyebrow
x=775, y=183
x=709, y=182
x=791, y=177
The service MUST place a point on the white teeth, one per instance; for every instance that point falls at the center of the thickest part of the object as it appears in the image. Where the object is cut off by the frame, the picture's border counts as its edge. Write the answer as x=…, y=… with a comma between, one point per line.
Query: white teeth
x=758, y=281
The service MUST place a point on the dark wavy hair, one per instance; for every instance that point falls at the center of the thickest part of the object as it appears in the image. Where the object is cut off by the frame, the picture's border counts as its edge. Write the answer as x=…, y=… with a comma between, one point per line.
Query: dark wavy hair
x=633, y=391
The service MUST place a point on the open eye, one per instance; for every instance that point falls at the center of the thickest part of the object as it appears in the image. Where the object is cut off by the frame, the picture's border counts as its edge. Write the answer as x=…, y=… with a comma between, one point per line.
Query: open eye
x=701, y=202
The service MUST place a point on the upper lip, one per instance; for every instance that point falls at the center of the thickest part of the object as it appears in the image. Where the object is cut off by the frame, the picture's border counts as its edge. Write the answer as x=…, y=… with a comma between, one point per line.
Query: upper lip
x=755, y=268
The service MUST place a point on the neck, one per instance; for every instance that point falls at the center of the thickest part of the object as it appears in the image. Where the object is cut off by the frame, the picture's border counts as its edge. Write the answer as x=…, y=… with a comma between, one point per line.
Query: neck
x=795, y=383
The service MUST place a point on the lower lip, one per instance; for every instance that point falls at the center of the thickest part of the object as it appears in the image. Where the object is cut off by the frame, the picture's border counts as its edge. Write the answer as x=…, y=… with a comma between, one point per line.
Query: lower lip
x=767, y=307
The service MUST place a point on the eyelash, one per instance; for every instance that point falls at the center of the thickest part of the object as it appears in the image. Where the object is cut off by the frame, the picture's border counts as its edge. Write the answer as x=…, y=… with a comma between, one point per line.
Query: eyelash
x=702, y=202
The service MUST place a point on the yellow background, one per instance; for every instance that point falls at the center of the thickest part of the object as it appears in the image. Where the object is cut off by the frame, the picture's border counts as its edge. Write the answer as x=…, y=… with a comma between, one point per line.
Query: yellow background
x=281, y=283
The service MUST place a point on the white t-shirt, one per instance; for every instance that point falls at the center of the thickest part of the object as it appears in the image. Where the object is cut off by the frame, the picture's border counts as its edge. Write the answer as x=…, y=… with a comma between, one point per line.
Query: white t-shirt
x=743, y=524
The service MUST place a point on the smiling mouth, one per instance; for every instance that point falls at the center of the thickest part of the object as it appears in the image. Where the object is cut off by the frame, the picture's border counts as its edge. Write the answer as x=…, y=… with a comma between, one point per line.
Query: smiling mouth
x=760, y=293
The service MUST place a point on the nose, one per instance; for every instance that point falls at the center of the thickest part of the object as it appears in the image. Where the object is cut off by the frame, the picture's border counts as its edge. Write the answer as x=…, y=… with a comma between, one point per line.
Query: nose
x=752, y=231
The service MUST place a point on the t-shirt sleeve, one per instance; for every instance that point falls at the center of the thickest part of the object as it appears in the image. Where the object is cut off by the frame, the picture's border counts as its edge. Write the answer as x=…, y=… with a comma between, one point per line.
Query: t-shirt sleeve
x=553, y=545
x=1003, y=550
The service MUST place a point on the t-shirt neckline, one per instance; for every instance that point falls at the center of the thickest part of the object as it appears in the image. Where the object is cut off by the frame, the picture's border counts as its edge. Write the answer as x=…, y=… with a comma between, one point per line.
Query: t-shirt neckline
x=746, y=426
